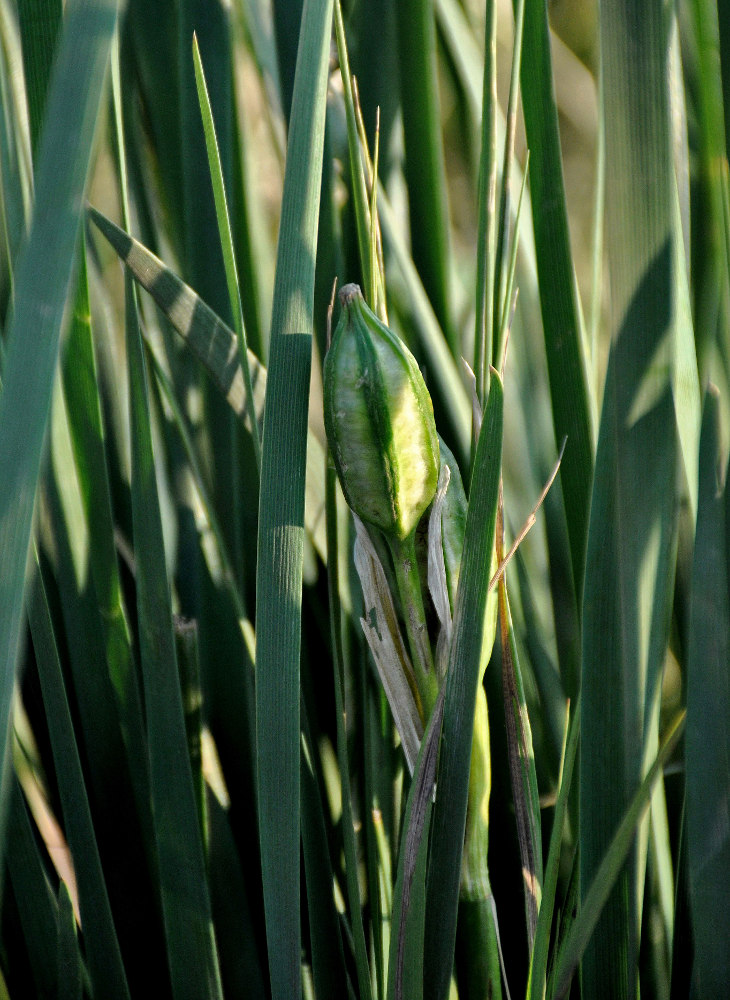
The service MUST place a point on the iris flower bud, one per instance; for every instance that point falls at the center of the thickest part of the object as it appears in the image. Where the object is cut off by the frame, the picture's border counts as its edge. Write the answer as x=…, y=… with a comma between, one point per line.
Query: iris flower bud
x=379, y=421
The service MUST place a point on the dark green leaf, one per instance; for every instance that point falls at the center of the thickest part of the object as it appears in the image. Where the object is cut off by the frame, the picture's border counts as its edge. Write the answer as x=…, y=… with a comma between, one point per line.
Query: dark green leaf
x=463, y=676
x=281, y=508
x=632, y=536
x=708, y=714
x=69, y=959
x=37, y=905
x=561, y=311
x=183, y=882
x=424, y=167
x=598, y=891
x=41, y=287
x=102, y=948
x=214, y=344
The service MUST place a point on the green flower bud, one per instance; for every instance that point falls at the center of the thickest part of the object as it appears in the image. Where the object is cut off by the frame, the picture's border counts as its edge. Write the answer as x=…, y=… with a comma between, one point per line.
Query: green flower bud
x=453, y=526
x=379, y=421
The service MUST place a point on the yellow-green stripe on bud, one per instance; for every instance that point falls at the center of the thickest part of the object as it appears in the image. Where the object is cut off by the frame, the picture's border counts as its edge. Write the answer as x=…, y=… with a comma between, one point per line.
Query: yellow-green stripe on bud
x=379, y=421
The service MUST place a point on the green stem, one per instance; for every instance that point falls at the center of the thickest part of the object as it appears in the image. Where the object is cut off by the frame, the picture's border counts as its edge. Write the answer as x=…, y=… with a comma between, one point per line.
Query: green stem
x=409, y=590
x=477, y=952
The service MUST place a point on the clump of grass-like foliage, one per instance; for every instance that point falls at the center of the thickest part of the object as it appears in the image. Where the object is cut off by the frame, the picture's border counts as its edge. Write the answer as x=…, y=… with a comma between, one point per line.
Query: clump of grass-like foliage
x=253, y=745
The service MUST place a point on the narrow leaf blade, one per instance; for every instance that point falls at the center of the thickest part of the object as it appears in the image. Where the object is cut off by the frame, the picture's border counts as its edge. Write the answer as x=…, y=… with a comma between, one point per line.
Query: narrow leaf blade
x=214, y=344
x=561, y=312
x=632, y=535
x=190, y=942
x=41, y=287
x=281, y=508
x=708, y=717
x=463, y=676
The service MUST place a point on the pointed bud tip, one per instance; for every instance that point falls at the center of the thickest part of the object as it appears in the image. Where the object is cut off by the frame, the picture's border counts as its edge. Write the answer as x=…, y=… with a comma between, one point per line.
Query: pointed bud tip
x=348, y=293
